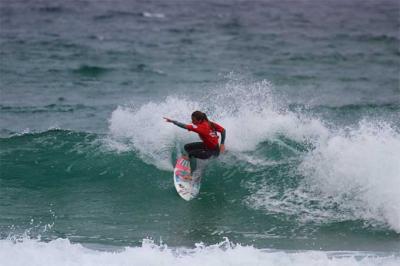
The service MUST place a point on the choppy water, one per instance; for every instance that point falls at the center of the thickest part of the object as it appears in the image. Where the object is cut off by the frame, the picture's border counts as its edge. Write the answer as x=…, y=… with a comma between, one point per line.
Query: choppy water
x=308, y=93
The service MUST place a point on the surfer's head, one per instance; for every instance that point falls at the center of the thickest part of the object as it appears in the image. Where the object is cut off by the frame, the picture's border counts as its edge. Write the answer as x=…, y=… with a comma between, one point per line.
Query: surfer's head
x=198, y=117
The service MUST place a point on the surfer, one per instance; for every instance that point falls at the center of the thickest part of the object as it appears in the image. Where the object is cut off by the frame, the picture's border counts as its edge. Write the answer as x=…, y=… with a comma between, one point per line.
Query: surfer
x=207, y=131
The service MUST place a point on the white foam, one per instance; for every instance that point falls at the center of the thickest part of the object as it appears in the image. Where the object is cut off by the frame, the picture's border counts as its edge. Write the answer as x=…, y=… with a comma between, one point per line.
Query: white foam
x=63, y=252
x=153, y=15
x=360, y=170
x=145, y=131
x=352, y=173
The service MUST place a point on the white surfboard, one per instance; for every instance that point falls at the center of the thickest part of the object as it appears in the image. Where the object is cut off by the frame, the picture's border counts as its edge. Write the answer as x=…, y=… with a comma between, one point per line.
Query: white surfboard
x=186, y=185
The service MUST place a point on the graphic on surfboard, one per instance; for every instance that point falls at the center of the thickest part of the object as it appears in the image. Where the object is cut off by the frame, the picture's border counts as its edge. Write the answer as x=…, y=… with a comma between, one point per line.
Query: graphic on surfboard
x=186, y=184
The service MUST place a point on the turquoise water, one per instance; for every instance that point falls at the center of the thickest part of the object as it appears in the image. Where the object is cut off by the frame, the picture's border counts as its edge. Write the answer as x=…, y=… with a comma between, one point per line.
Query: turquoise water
x=308, y=93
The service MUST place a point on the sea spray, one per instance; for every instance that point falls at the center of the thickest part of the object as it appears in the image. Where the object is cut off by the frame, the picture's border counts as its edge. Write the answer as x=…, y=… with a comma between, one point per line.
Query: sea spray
x=145, y=131
x=360, y=169
x=250, y=112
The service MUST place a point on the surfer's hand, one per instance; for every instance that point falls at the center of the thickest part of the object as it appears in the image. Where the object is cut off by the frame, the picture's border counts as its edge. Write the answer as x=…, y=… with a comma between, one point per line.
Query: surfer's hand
x=168, y=120
x=222, y=148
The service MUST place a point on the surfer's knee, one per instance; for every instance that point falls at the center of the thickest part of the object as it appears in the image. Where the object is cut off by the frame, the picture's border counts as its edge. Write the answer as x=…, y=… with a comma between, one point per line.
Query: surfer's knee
x=188, y=150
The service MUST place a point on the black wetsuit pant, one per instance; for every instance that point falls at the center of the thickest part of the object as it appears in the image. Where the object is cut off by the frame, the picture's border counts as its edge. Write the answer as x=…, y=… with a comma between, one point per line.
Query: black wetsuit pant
x=200, y=151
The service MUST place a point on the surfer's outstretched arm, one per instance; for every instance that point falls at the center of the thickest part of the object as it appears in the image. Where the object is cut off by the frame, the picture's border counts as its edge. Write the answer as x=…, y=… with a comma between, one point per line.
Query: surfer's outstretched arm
x=179, y=124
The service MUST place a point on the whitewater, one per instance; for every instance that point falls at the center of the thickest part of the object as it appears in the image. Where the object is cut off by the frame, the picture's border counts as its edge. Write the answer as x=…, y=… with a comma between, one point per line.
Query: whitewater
x=62, y=252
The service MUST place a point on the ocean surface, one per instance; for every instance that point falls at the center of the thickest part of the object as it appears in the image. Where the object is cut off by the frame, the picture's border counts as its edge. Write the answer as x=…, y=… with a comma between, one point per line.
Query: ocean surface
x=308, y=92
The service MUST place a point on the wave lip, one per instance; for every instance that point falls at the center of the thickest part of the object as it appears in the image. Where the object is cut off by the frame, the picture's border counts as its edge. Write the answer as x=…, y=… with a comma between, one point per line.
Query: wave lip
x=63, y=252
x=252, y=106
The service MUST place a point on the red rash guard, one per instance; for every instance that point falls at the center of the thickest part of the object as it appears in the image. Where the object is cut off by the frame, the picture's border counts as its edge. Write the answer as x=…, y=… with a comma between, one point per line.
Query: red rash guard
x=206, y=133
